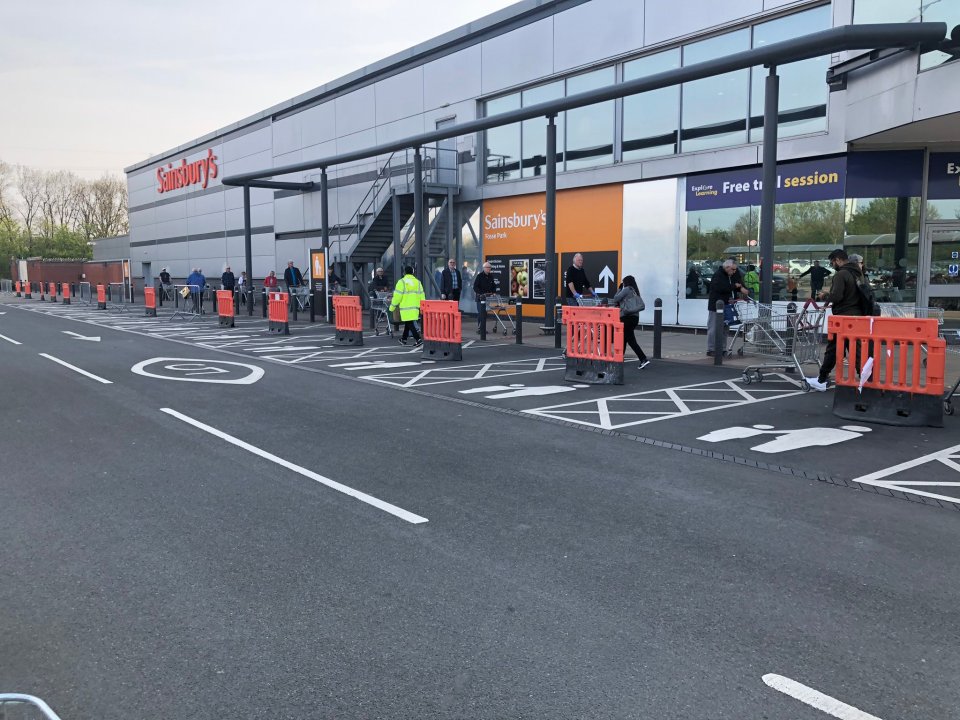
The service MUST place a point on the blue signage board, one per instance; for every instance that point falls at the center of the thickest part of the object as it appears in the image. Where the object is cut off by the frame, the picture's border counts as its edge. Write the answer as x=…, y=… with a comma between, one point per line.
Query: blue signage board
x=820, y=179
x=882, y=174
x=944, y=176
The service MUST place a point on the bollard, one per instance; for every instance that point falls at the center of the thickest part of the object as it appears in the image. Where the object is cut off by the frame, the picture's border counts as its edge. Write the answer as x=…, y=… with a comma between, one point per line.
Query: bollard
x=483, y=318
x=250, y=297
x=42, y=299
x=313, y=305
x=73, y=290
x=330, y=317
x=791, y=334
x=557, y=329
x=133, y=293
x=657, y=328
x=519, y=319
x=292, y=304
x=236, y=301
x=264, y=298
x=720, y=334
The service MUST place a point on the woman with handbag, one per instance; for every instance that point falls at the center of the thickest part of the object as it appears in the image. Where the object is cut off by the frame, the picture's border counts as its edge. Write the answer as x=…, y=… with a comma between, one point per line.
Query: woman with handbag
x=631, y=305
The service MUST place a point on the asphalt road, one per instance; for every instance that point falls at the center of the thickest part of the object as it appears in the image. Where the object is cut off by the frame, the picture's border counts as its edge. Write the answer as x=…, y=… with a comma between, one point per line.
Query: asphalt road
x=154, y=569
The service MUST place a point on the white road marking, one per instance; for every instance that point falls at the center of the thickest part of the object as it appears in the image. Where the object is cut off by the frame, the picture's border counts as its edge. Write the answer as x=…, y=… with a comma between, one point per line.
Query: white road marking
x=816, y=699
x=787, y=440
x=10, y=340
x=910, y=464
x=949, y=458
x=76, y=369
x=333, y=485
x=192, y=366
x=78, y=336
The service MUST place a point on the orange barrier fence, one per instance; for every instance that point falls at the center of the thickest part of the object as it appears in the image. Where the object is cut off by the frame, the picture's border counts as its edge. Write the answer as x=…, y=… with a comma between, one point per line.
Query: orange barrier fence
x=895, y=370
x=150, y=302
x=442, y=332
x=594, y=345
x=225, y=308
x=17, y=287
x=101, y=297
x=278, y=306
x=348, y=320
x=27, y=290
x=65, y=292
x=52, y=292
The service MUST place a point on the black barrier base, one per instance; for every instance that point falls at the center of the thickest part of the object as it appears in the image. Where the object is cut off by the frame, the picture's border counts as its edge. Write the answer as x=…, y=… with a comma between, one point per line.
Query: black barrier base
x=886, y=407
x=436, y=350
x=348, y=337
x=278, y=327
x=593, y=372
x=66, y=301
x=27, y=296
x=227, y=321
x=101, y=305
x=53, y=298
x=150, y=312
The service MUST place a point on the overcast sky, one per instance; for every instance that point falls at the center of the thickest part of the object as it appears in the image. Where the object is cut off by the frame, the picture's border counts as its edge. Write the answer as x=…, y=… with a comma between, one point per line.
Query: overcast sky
x=97, y=85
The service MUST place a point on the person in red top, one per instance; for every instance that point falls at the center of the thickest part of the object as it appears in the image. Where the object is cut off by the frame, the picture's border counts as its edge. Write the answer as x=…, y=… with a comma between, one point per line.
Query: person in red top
x=270, y=281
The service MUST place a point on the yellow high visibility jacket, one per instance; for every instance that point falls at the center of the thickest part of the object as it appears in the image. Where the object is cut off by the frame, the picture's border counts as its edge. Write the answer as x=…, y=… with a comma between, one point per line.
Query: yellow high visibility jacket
x=407, y=295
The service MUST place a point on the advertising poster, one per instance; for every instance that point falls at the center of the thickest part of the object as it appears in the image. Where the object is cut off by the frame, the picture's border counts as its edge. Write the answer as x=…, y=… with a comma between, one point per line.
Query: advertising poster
x=498, y=269
x=520, y=278
x=318, y=267
x=539, y=278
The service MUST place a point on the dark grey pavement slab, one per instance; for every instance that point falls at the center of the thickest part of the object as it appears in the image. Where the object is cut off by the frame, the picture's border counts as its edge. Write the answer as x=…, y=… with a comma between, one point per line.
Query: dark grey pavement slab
x=151, y=569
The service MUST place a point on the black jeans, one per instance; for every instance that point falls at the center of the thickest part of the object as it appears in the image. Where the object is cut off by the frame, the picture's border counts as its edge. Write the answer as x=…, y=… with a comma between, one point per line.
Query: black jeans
x=830, y=358
x=410, y=326
x=630, y=323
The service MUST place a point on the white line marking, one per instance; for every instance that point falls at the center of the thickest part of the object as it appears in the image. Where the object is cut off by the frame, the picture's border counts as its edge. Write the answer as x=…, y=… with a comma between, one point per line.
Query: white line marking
x=333, y=485
x=919, y=483
x=10, y=340
x=880, y=474
x=76, y=369
x=78, y=336
x=816, y=699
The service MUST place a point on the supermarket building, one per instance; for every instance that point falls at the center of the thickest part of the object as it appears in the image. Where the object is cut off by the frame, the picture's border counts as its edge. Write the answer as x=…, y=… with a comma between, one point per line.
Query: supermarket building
x=660, y=185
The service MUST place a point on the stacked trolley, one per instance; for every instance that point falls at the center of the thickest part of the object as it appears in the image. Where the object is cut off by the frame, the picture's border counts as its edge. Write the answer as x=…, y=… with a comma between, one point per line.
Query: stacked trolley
x=499, y=307
x=19, y=706
x=783, y=338
x=952, y=338
x=380, y=307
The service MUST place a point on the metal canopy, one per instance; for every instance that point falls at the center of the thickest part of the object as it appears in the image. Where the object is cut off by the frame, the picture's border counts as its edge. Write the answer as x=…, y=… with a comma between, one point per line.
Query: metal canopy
x=847, y=37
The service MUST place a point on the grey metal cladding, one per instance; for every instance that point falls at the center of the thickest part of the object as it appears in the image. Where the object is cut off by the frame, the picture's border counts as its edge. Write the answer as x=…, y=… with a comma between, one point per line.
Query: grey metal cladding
x=263, y=230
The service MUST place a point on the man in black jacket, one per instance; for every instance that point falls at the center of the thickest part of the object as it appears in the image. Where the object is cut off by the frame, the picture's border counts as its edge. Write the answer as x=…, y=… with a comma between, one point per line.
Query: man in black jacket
x=817, y=276
x=726, y=285
x=292, y=276
x=451, y=282
x=484, y=284
x=844, y=298
x=228, y=279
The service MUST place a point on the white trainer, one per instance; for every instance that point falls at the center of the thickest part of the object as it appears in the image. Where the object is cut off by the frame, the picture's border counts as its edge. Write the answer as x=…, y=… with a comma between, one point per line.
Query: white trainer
x=816, y=384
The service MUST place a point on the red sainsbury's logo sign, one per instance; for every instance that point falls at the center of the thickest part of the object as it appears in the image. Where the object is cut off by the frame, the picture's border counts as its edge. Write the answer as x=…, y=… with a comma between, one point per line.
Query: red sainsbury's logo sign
x=185, y=174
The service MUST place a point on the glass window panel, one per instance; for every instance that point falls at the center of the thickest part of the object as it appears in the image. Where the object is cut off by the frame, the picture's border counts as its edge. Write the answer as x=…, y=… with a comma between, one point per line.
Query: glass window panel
x=886, y=11
x=651, y=120
x=803, y=90
x=944, y=11
x=890, y=261
x=715, y=109
x=535, y=131
x=589, y=136
x=503, y=143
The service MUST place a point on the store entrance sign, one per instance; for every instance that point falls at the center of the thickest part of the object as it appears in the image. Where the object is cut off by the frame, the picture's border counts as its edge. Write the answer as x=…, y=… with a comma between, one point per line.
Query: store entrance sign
x=944, y=177
x=821, y=179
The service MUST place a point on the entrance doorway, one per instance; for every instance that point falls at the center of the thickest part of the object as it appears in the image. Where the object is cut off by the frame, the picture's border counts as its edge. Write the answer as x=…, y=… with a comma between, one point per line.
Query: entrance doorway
x=940, y=269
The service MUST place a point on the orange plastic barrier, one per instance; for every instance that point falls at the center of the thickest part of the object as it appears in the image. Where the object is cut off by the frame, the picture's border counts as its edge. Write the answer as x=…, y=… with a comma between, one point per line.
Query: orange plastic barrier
x=225, y=308
x=906, y=381
x=27, y=290
x=348, y=320
x=594, y=345
x=277, y=309
x=17, y=287
x=101, y=297
x=442, y=332
x=65, y=292
x=150, y=301
x=52, y=291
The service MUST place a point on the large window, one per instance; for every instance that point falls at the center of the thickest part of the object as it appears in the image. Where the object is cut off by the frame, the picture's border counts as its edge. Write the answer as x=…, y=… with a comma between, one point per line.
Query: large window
x=900, y=11
x=503, y=143
x=803, y=93
x=651, y=120
x=535, y=131
x=715, y=108
x=590, y=129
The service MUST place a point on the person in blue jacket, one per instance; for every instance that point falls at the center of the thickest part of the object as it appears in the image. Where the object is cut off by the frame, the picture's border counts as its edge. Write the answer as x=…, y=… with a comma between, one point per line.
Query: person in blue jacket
x=196, y=280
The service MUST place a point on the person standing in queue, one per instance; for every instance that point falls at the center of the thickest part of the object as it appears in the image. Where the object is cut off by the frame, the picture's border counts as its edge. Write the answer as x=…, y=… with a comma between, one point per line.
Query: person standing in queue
x=484, y=284
x=270, y=281
x=726, y=284
x=576, y=282
x=292, y=276
x=228, y=281
x=631, y=305
x=407, y=295
x=379, y=282
x=451, y=282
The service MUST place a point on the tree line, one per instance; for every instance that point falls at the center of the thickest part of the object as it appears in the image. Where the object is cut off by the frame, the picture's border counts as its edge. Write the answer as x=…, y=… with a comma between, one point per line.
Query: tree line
x=55, y=214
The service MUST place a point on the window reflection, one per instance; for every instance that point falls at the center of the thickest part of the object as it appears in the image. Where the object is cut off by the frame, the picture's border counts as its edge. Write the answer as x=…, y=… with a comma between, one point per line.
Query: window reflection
x=715, y=109
x=503, y=143
x=651, y=120
x=803, y=93
x=898, y=11
x=590, y=129
x=535, y=131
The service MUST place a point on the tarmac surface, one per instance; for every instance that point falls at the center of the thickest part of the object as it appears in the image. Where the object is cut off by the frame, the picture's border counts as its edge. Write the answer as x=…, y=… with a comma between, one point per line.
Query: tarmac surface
x=213, y=522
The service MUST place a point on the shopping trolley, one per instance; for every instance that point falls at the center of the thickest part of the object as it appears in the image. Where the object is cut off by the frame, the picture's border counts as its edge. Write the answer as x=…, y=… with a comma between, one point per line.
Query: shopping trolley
x=785, y=340
x=380, y=307
x=497, y=305
x=952, y=338
x=301, y=296
x=592, y=301
x=25, y=707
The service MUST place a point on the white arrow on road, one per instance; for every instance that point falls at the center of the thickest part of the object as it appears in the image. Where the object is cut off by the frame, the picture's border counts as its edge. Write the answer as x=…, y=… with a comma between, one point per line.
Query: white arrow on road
x=607, y=276
x=82, y=337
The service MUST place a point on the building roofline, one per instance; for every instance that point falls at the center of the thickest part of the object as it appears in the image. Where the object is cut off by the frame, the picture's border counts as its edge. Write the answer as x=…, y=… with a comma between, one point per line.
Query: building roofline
x=497, y=23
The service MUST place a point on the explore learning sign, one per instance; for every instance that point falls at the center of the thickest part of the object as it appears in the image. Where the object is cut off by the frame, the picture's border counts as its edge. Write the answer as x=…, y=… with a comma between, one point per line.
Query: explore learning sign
x=820, y=179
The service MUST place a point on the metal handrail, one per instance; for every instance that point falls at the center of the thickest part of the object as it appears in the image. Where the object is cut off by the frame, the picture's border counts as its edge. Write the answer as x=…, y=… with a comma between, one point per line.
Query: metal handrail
x=356, y=219
x=28, y=700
